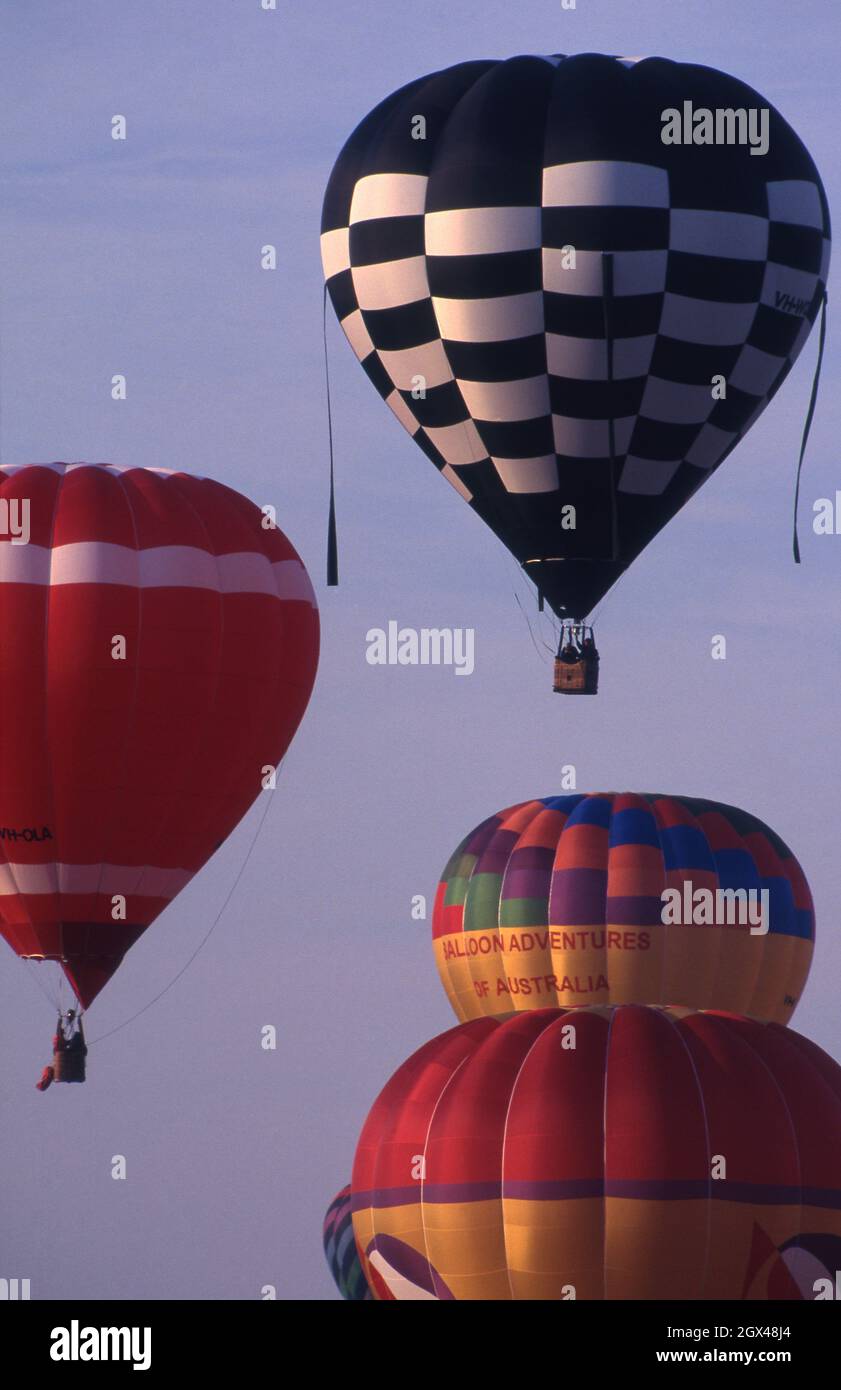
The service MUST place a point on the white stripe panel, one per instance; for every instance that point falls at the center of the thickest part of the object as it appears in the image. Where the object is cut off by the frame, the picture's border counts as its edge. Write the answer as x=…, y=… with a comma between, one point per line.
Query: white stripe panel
x=292, y=582
x=171, y=566
x=648, y=477
x=429, y=361
x=455, y=481
x=676, y=403
x=146, y=882
x=249, y=573
x=24, y=564
x=357, y=334
x=101, y=562
x=585, y=359
x=705, y=321
x=756, y=371
x=528, y=475
x=576, y=359
x=638, y=272
x=634, y=272
x=403, y=1289
x=590, y=438
x=335, y=251
x=482, y=231
x=709, y=446
x=402, y=411
x=388, y=195
x=12, y=875
x=632, y=356
x=781, y=279
x=605, y=183
x=795, y=200
x=490, y=320
x=826, y=254
x=107, y=879
x=10, y=468
x=527, y=399
x=391, y=284
x=458, y=443
x=737, y=236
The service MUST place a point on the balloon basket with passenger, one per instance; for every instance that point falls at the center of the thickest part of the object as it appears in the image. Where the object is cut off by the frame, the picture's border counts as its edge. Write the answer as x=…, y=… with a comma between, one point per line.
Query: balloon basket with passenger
x=577, y=661
x=87, y=871
x=69, y=1051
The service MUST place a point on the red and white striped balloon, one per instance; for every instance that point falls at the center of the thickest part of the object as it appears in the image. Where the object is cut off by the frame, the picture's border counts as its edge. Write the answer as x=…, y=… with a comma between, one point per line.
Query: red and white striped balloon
x=159, y=645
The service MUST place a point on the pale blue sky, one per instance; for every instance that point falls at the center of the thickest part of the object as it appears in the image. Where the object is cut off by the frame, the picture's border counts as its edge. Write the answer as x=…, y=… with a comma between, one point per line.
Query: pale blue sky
x=143, y=258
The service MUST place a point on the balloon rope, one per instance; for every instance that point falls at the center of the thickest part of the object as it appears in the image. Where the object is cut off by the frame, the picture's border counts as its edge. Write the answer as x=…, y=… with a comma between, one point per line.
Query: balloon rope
x=809, y=417
x=541, y=615
x=607, y=303
x=52, y=996
x=332, y=543
x=528, y=625
x=214, y=924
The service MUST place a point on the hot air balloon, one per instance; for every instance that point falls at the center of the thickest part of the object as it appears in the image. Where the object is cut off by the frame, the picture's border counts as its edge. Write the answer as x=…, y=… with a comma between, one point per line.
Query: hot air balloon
x=160, y=642
x=623, y=899
x=341, y=1252
x=618, y=1153
x=549, y=292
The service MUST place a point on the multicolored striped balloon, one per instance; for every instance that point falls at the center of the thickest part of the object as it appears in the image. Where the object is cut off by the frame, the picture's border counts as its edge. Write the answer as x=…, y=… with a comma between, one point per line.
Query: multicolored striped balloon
x=618, y=1153
x=160, y=642
x=560, y=901
x=341, y=1252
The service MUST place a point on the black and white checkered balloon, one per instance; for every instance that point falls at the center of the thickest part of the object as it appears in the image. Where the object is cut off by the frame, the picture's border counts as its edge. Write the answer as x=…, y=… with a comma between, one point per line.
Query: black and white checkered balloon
x=548, y=296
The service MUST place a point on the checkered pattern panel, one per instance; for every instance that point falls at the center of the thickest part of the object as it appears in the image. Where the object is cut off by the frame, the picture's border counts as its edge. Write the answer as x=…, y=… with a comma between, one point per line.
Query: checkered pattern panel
x=544, y=293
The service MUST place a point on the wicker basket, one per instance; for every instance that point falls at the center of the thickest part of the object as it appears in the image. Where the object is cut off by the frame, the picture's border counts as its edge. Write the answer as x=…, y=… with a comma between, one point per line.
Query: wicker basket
x=570, y=677
x=576, y=677
x=69, y=1065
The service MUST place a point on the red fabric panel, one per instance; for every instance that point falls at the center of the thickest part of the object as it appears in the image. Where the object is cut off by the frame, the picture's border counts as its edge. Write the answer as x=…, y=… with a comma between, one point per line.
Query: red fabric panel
x=554, y=1126
x=748, y=1120
x=152, y=760
x=654, y=1109
x=467, y=1131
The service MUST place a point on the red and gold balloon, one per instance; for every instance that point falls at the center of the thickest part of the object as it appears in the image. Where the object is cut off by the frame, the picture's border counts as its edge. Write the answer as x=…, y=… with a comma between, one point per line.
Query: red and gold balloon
x=606, y=1153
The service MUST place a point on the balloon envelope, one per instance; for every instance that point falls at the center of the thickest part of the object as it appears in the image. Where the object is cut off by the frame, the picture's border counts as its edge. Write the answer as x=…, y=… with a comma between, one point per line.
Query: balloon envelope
x=341, y=1252
x=561, y=901
x=546, y=294
x=625, y=1153
x=159, y=649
